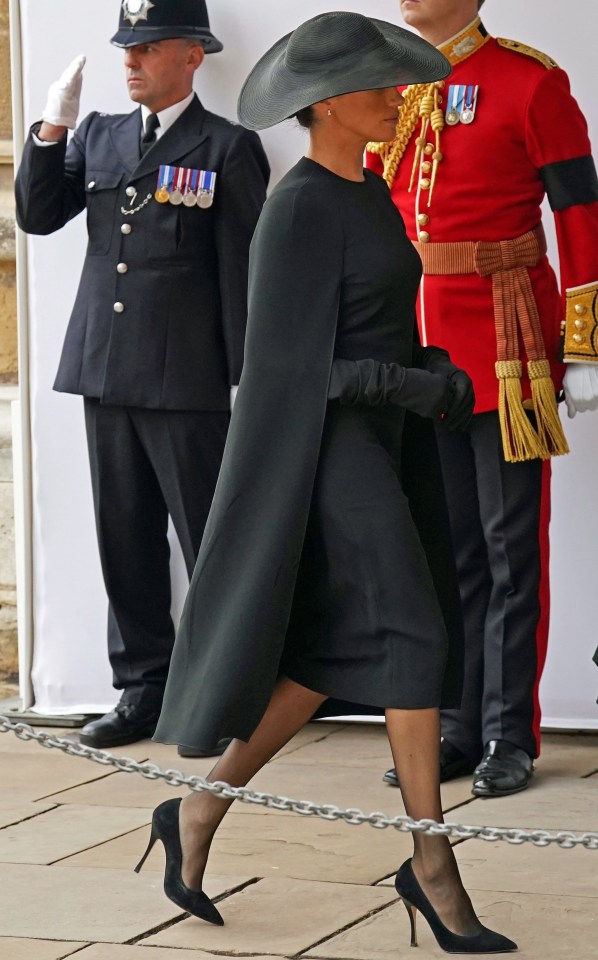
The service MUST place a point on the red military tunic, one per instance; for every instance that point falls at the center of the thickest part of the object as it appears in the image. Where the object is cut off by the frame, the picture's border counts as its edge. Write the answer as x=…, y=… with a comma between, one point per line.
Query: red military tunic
x=527, y=139
x=528, y=136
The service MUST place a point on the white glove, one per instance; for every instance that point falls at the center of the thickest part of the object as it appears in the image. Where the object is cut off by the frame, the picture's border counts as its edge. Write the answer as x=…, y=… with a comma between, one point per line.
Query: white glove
x=233, y=396
x=580, y=384
x=62, y=106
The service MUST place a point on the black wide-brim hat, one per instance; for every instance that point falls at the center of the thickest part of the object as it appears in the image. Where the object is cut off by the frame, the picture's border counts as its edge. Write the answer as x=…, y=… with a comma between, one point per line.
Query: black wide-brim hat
x=147, y=21
x=332, y=54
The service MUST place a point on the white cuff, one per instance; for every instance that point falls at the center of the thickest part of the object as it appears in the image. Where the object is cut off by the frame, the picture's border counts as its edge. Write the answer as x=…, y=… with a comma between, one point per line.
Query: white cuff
x=44, y=143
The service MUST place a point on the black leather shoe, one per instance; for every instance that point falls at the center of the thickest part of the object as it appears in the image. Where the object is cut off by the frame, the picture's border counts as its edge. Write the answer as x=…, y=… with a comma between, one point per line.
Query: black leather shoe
x=216, y=751
x=126, y=724
x=504, y=769
x=453, y=764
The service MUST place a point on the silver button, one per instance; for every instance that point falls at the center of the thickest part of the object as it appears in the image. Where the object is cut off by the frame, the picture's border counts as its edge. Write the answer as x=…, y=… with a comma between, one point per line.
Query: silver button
x=122, y=267
x=126, y=228
x=119, y=307
x=130, y=191
x=91, y=185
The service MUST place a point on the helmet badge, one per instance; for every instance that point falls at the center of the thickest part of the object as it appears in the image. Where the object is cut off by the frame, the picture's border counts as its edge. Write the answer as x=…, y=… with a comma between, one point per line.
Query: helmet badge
x=135, y=10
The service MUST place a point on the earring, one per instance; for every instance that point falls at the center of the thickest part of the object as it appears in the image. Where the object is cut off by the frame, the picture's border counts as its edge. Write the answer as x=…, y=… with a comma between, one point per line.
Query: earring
x=329, y=112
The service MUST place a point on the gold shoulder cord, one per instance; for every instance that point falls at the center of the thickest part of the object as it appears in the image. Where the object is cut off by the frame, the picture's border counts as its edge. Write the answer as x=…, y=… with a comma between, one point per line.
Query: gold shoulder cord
x=422, y=100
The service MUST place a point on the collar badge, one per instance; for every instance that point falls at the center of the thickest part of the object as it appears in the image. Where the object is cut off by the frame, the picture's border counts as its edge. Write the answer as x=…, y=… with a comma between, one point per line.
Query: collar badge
x=463, y=47
x=135, y=10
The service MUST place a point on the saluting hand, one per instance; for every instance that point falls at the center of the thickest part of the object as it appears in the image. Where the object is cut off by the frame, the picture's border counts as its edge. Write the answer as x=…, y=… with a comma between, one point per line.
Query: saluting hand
x=62, y=106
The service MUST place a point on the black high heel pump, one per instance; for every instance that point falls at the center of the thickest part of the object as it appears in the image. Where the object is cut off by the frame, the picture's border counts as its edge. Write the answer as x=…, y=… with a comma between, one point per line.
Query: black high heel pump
x=414, y=898
x=165, y=827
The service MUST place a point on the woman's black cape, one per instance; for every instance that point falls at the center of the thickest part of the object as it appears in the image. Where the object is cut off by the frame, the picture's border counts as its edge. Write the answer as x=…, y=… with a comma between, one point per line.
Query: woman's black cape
x=229, y=644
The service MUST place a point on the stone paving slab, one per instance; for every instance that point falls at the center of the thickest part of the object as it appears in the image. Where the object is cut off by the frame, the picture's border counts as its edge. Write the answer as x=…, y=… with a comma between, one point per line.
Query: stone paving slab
x=12, y=948
x=525, y=868
x=104, y=951
x=163, y=753
x=16, y=812
x=567, y=755
x=344, y=785
x=317, y=732
x=133, y=790
x=545, y=928
x=122, y=790
x=560, y=803
x=10, y=743
x=119, y=789
x=306, y=848
x=66, y=830
x=360, y=745
x=528, y=869
x=41, y=773
x=89, y=905
x=366, y=746
x=281, y=917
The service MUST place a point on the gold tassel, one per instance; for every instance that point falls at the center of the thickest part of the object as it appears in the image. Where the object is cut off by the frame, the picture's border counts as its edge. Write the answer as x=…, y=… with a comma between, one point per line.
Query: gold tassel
x=520, y=440
x=548, y=423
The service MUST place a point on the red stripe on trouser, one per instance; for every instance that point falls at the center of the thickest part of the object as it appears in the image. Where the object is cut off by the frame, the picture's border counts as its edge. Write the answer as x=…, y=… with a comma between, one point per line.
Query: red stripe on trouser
x=544, y=595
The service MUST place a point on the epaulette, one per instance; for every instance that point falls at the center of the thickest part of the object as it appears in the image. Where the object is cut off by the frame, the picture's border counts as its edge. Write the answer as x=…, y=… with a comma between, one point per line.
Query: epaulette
x=517, y=47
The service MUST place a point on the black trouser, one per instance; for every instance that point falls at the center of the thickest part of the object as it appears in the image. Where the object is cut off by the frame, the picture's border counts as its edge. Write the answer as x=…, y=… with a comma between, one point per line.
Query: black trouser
x=145, y=466
x=494, y=510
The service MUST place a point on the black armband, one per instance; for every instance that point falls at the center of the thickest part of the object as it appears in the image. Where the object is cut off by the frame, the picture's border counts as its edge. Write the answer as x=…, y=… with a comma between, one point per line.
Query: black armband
x=570, y=183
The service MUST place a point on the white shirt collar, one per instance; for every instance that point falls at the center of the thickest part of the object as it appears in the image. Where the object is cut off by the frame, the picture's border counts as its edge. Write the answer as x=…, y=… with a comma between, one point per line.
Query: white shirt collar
x=168, y=116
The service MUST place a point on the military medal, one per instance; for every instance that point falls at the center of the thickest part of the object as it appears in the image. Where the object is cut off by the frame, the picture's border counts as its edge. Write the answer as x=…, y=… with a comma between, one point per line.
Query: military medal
x=453, y=113
x=469, y=106
x=165, y=178
x=462, y=102
x=189, y=196
x=176, y=195
x=184, y=185
x=207, y=186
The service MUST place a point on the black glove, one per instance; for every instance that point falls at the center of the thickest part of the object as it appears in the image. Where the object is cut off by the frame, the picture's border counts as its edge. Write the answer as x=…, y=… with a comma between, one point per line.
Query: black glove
x=436, y=360
x=370, y=383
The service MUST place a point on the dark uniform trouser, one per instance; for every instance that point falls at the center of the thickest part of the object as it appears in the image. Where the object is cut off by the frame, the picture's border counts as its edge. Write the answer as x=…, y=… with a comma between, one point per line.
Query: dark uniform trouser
x=145, y=465
x=495, y=515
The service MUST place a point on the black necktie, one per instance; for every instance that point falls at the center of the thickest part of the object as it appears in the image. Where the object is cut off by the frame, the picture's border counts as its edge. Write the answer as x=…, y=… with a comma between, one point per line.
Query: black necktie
x=149, y=137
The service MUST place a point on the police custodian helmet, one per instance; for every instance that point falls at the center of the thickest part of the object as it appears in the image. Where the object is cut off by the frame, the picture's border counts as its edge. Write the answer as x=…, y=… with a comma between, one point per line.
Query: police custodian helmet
x=145, y=21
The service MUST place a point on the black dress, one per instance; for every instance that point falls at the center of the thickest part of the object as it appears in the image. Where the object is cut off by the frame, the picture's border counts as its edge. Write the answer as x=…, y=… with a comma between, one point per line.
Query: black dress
x=366, y=625
x=312, y=565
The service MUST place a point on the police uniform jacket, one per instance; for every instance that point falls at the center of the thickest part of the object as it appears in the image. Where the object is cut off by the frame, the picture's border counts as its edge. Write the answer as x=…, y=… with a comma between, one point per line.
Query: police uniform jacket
x=159, y=318
x=528, y=139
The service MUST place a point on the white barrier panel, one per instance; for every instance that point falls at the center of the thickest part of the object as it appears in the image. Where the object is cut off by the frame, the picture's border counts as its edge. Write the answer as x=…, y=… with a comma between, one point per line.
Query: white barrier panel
x=70, y=672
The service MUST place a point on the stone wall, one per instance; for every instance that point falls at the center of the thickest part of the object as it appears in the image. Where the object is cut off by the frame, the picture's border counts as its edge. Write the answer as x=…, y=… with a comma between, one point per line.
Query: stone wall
x=8, y=367
x=8, y=306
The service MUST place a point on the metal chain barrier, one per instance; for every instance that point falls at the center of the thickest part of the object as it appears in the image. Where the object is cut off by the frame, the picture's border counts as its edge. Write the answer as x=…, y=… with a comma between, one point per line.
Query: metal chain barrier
x=306, y=808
